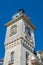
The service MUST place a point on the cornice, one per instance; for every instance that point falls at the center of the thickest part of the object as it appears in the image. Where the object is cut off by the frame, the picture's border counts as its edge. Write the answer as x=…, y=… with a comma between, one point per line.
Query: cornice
x=24, y=17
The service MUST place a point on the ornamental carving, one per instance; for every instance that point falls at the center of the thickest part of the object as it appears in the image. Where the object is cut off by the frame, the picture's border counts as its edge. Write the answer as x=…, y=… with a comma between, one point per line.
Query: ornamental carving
x=13, y=30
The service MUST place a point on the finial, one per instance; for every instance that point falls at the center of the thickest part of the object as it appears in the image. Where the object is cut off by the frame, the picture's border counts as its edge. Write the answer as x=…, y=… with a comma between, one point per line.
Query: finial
x=21, y=10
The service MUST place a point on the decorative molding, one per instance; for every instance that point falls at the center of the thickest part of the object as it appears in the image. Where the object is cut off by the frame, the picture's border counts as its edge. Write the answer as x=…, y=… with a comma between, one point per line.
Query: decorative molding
x=17, y=42
x=27, y=47
x=22, y=39
x=24, y=17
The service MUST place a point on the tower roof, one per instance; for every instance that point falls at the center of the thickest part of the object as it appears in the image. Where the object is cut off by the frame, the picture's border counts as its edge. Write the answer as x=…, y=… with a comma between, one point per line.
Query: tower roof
x=18, y=16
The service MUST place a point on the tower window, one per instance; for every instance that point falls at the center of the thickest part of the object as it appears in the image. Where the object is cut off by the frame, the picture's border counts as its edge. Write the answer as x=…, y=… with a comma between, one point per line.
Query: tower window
x=12, y=57
x=27, y=58
x=28, y=31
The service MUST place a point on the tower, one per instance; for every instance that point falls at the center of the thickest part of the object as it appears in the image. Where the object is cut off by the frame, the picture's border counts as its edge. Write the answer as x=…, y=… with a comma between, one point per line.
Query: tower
x=19, y=40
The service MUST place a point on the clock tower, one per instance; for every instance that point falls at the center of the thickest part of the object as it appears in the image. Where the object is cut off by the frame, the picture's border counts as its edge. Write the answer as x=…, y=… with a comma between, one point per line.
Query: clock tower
x=19, y=40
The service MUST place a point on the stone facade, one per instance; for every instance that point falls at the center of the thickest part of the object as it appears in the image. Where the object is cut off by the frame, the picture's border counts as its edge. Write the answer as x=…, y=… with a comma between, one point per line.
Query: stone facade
x=20, y=42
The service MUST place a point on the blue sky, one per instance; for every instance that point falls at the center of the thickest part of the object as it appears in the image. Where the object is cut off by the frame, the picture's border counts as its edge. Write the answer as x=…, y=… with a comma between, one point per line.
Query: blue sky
x=33, y=8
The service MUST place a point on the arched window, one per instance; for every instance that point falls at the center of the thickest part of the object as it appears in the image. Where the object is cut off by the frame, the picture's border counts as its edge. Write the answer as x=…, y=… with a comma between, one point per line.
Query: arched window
x=12, y=57
x=11, y=61
x=28, y=31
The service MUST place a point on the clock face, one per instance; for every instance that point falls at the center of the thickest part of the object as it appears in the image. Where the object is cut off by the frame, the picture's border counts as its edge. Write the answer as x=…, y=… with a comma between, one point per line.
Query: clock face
x=13, y=30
